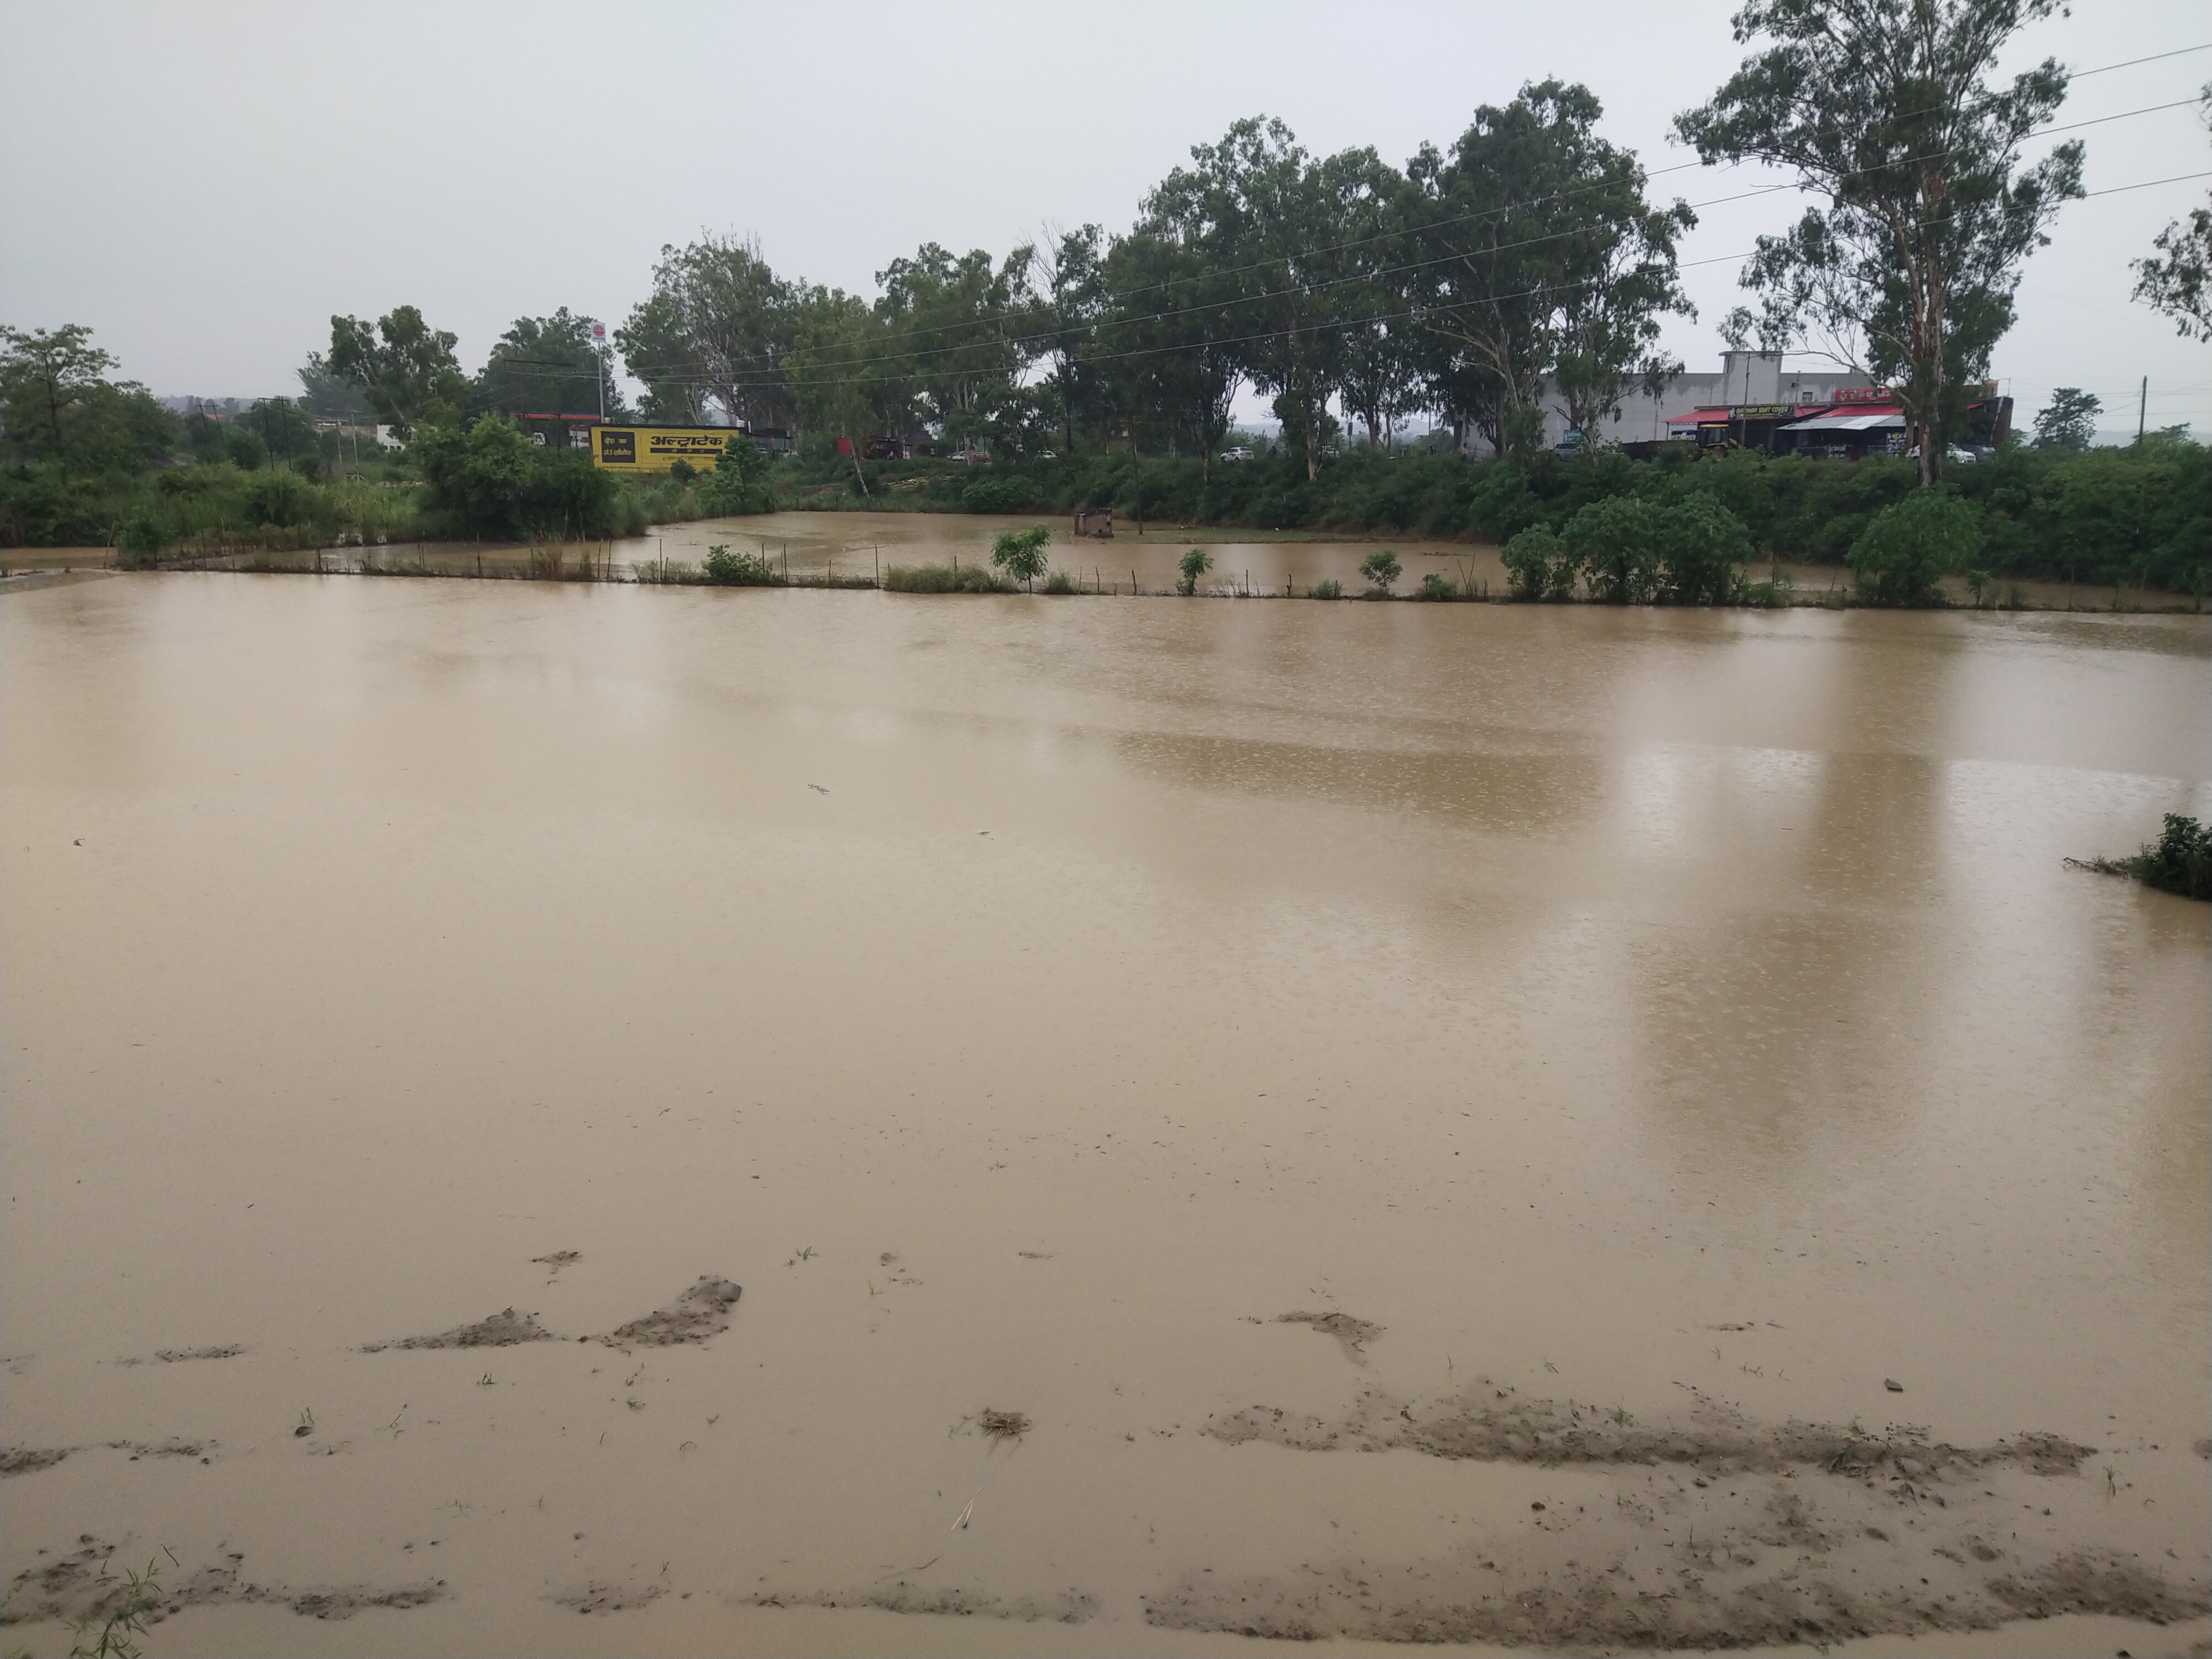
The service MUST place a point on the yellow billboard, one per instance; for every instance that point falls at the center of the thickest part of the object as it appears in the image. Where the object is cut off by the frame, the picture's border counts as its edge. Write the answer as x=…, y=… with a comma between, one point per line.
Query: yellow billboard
x=657, y=448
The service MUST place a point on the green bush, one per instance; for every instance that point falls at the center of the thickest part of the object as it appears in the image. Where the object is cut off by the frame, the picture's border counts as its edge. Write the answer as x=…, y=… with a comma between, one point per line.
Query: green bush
x=2180, y=860
x=1619, y=545
x=1060, y=582
x=1436, y=586
x=278, y=497
x=1538, y=566
x=1327, y=588
x=998, y=494
x=476, y=477
x=1702, y=544
x=739, y=483
x=139, y=538
x=1193, y=565
x=1900, y=557
x=724, y=568
x=565, y=495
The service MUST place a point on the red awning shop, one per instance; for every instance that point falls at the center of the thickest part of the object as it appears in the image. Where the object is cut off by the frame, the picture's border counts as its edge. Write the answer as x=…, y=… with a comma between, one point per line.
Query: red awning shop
x=1852, y=430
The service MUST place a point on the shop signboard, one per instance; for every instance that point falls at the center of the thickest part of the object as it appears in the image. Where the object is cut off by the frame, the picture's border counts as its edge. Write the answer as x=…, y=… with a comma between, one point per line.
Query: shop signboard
x=657, y=448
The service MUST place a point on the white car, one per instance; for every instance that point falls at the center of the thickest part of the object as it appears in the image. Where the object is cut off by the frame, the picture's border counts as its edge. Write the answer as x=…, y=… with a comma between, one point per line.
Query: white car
x=1239, y=454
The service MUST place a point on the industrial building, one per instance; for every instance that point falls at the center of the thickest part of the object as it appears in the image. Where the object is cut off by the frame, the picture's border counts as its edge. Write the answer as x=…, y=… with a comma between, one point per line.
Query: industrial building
x=1754, y=402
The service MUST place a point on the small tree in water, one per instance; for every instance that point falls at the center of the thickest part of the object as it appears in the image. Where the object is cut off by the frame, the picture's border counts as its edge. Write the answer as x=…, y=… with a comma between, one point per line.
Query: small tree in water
x=1195, y=563
x=1382, y=568
x=1020, y=553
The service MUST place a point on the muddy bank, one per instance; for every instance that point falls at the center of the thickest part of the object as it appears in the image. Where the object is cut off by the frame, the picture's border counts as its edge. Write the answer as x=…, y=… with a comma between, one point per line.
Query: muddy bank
x=88, y=1585
x=1490, y=1424
x=1709, y=1530
x=1687, y=1605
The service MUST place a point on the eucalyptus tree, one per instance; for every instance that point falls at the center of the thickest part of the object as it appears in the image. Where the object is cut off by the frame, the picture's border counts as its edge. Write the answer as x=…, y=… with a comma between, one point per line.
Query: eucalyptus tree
x=1258, y=209
x=2178, y=282
x=954, y=327
x=1380, y=361
x=716, y=330
x=405, y=368
x=1537, y=253
x=658, y=353
x=1168, y=358
x=839, y=373
x=1071, y=302
x=1907, y=263
x=1625, y=277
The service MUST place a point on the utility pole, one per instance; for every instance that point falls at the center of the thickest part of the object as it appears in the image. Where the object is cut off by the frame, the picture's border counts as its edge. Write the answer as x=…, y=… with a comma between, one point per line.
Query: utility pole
x=600, y=364
x=1136, y=478
x=2143, y=407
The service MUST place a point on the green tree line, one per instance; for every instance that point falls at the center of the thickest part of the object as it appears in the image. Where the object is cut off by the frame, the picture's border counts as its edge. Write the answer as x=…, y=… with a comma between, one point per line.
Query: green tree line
x=1524, y=263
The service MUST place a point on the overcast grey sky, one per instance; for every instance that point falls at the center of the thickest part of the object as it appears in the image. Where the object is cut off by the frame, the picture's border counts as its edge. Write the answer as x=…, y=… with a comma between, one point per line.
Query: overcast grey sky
x=206, y=183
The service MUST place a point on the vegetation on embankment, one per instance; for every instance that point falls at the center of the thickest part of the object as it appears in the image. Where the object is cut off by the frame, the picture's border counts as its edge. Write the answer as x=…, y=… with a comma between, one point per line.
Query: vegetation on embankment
x=2140, y=516
x=2178, y=861
x=106, y=464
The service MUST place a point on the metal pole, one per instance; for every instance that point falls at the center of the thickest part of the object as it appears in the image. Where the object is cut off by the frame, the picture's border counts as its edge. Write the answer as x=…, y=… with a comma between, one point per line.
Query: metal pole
x=1137, y=479
x=2143, y=407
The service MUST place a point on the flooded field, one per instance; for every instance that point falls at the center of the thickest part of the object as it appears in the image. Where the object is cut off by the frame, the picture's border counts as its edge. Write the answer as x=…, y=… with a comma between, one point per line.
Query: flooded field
x=566, y=1118
x=814, y=546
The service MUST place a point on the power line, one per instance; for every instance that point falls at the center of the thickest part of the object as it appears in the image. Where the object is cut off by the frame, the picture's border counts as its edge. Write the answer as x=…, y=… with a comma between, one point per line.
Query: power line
x=1338, y=247
x=1015, y=340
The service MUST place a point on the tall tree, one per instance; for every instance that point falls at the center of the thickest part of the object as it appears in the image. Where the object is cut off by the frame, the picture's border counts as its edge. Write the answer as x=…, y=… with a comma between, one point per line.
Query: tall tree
x=1169, y=359
x=839, y=373
x=1622, y=277
x=1537, y=253
x=955, y=322
x=59, y=404
x=2069, y=420
x=1258, y=208
x=47, y=381
x=656, y=351
x=1883, y=110
x=2179, y=283
x=548, y=364
x=715, y=331
x=1379, y=361
x=1068, y=310
x=403, y=367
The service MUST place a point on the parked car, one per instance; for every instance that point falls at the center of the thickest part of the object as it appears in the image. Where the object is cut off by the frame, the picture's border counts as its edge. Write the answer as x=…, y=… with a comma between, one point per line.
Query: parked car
x=1239, y=454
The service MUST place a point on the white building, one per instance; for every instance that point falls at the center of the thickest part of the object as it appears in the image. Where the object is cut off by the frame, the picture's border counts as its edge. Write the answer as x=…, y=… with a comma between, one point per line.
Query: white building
x=1753, y=379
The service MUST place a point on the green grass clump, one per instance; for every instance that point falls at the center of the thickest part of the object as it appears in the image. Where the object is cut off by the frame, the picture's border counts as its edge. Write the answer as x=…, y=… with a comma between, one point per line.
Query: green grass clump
x=726, y=568
x=946, y=579
x=1327, y=588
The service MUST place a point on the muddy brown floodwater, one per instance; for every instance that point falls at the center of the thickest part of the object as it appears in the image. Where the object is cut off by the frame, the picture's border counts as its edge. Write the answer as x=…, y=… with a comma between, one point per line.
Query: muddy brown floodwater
x=579, y=1119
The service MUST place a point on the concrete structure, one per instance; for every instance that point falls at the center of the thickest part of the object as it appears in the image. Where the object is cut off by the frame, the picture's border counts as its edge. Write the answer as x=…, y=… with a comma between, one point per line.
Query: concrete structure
x=1754, y=378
